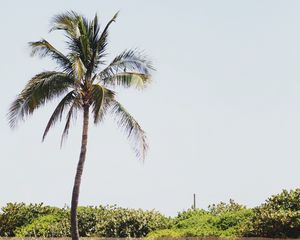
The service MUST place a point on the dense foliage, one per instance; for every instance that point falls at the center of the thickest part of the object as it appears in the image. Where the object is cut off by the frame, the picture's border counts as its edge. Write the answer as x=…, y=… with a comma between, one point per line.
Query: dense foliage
x=15, y=215
x=279, y=216
x=52, y=225
x=221, y=220
x=23, y=220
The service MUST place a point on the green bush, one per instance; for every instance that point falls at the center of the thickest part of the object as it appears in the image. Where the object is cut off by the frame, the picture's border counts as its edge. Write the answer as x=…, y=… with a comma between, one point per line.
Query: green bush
x=109, y=221
x=222, y=220
x=222, y=207
x=87, y=220
x=184, y=233
x=122, y=222
x=58, y=225
x=166, y=233
x=15, y=215
x=52, y=225
x=233, y=223
x=279, y=216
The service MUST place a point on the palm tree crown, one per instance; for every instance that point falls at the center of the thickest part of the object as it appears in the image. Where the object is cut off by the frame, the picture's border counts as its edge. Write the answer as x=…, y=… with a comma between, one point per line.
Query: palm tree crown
x=82, y=80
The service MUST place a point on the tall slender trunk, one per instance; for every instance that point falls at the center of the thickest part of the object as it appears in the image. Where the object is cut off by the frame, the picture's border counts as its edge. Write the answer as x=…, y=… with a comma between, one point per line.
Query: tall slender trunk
x=76, y=187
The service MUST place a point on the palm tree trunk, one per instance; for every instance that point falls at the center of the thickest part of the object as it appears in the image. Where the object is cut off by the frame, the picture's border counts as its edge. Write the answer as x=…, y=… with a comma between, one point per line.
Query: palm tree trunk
x=76, y=187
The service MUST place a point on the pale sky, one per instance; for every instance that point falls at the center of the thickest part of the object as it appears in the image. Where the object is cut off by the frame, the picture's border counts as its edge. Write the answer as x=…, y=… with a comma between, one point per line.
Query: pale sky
x=222, y=115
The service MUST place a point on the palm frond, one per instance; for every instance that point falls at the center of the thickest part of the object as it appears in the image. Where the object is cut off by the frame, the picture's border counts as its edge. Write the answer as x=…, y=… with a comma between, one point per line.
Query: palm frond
x=71, y=114
x=104, y=34
x=101, y=99
x=99, y=45
x=58, y=112
x=126, y=64
x=128, y=79
x=78, y=67
x=76, y=28
x=68, y=22
x=97, y=104
x=83, y=25
x=84, y=40
x=94, y=29
x=102, y=42
x=134, y=131
x=40, y=89
x=44, y=48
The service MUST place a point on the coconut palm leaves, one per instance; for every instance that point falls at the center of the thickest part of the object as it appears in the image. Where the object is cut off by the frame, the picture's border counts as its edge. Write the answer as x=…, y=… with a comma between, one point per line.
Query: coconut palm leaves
x=132, y=128
x=41, y=88
x=129, y=69
x=80, y=82
x=43, y=48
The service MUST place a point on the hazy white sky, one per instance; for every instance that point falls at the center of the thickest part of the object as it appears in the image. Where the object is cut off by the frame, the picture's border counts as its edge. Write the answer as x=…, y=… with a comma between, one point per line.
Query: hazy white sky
x=222, y=116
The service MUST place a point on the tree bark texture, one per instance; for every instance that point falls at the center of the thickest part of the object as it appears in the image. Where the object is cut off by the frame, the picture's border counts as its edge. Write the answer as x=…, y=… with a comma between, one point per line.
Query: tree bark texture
x=76, y=187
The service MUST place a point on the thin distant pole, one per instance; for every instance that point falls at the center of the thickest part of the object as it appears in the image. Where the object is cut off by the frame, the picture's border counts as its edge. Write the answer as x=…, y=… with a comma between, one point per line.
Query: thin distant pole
x=194, y=203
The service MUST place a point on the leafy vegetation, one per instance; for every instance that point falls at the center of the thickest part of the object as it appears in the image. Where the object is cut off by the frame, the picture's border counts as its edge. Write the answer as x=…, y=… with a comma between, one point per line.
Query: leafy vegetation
x=120, y=222
x=221, y=220
x=52, y=225
x=279, y=216
x=15, y=215
x=108, y=221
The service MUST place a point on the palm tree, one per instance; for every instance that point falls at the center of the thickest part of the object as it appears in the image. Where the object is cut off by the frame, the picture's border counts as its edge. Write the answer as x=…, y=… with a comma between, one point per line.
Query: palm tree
x=84, y=82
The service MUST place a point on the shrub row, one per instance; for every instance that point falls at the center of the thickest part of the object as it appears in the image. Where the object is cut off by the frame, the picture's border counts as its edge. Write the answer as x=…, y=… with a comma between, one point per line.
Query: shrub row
x=279, y=216
x=37, y=220
x=219, y=221
x=16, y=215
